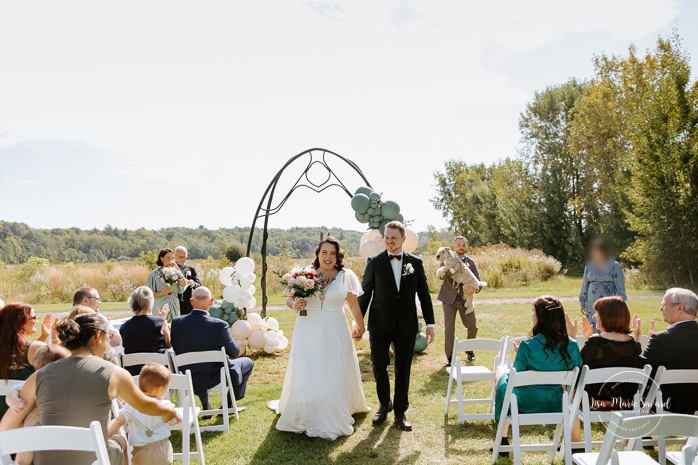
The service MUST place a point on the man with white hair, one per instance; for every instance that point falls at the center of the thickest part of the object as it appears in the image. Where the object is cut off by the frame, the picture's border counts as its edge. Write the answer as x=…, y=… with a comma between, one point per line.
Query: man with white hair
x=676, y=347
x=189, y=273
x=200, y=332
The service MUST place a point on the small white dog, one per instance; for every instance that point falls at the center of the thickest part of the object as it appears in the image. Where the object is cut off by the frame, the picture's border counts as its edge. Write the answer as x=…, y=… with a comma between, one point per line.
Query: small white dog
x=460, y=274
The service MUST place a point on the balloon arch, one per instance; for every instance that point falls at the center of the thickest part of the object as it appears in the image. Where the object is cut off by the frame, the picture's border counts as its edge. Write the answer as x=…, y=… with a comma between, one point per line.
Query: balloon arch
x=317, y=157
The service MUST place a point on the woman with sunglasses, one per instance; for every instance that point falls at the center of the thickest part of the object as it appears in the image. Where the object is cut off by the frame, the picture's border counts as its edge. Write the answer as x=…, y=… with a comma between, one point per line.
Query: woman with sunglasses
x=17, y=324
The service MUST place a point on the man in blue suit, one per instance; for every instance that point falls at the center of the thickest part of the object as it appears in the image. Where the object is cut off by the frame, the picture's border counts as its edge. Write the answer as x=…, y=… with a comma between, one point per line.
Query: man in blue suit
x=200, y=332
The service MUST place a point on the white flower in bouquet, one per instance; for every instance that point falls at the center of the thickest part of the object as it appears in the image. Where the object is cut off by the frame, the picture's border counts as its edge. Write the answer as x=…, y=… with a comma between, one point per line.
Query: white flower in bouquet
x=171, y=274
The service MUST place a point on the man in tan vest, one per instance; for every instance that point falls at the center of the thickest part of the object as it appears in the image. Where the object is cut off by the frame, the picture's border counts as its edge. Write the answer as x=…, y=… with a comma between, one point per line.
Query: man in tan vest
x=452, y=299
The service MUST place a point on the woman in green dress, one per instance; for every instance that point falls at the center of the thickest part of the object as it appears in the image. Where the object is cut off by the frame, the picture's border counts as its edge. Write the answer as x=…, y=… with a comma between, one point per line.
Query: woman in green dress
x=548, y=348
x=17, y=324
x=166, y=293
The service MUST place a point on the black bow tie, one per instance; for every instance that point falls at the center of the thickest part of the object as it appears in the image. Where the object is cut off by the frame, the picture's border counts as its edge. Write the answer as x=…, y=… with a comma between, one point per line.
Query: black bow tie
x=395, y=257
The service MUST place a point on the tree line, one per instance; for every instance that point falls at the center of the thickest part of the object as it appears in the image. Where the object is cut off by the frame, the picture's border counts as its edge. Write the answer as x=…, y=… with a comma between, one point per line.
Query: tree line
x=18, y=242
x=616, y=154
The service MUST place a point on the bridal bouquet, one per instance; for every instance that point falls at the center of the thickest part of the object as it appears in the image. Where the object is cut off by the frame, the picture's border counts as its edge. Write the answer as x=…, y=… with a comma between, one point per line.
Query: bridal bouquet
x=301, y=283
x=171, y=274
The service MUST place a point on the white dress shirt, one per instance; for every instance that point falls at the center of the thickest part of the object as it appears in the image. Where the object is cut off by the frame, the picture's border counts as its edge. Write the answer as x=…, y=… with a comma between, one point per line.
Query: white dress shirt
x=396, y=265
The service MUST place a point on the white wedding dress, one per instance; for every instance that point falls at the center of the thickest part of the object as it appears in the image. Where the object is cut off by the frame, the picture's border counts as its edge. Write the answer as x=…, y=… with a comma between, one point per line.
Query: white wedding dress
x=322, y=388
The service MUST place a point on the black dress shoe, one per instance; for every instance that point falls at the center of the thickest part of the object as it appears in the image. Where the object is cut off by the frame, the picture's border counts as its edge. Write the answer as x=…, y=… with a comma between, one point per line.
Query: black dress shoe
x=505, y=442
x=402, y=423
x=471, y=356
x=382, y=414
x=448, y=363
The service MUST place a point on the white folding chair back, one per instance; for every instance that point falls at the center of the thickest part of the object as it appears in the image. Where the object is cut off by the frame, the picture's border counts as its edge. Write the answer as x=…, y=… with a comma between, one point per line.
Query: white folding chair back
x=54, y=438
x=625, y=375
x=644, y=339
x=621, y=428
x=581, y=340
x=7, y=384
x=142, y=358
x=225, y=385
x=517, y=419
x=462, y=373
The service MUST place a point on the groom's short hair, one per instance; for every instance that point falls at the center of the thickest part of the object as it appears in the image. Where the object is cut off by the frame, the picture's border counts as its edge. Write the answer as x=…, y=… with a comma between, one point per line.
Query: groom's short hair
x=396, y=225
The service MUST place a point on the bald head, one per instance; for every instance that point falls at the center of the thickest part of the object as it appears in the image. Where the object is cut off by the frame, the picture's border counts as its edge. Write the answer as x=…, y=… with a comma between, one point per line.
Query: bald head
x=201, y=298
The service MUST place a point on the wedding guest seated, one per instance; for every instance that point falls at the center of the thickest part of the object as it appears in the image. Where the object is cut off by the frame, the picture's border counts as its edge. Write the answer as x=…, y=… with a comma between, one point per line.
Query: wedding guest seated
x=613, y=347
x=548, y=348
x=79, y=389
x=44, y=355
x=17, y=350
x=199, y=332
x=144, y=332
x=676, y=348
x=87, y=297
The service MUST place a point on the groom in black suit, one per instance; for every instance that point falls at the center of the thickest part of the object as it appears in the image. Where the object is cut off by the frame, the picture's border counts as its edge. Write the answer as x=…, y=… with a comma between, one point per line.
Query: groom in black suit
x=391, y=280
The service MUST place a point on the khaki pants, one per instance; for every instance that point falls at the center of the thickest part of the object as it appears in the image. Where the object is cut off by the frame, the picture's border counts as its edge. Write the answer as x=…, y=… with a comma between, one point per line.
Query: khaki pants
x=156, y=453
x=468, y=320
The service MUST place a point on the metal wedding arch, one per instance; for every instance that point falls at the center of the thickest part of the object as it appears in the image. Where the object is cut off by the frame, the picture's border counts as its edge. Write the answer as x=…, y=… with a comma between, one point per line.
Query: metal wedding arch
x=317, y=157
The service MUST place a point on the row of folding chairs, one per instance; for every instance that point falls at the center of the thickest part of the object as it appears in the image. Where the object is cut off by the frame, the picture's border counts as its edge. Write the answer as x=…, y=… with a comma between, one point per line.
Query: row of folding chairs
x=176, y=362
x=571, y=407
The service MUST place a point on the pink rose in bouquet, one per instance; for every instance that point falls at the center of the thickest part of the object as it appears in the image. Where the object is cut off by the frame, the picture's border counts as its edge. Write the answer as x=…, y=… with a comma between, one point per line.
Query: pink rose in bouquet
x=301, y=283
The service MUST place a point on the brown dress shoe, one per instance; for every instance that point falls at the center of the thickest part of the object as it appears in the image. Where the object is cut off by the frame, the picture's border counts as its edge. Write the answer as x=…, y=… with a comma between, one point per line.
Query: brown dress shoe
x=402, y=423
x=382, y=414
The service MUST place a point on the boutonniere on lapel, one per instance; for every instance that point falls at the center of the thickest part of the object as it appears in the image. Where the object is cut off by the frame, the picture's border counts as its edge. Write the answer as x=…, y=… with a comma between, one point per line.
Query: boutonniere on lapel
x=407, y=270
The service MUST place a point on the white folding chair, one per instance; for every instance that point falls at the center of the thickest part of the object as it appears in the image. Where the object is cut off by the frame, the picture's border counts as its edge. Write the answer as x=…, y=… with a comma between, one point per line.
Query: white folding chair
x=142, y=358
x=7, y=384
x=625, y=375
x=50, y=438
x=655, y=399
x=225, y=385
x=516, y=419
x=643, y=340
x=621, y=428
x=189, y=413
x=581, y=340
x=460, y=373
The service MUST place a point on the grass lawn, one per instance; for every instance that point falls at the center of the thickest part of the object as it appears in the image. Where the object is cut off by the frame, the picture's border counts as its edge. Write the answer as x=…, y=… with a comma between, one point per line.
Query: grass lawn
x=435, y=440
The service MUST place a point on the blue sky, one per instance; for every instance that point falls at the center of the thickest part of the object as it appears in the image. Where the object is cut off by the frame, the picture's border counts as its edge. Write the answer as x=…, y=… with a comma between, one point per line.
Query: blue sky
x=169, y=113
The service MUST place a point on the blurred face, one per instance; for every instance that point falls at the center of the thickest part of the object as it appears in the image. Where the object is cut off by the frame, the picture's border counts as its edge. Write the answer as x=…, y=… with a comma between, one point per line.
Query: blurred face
x=598, y=255
x=93, y=301
x=29, y=326
x=168, y=259
x=327, y=257
x=393, y=240
x=534, y=318
x=597, y=320
x=670, y=310
x=100, y=343
x=180, y=257
x=459, y=247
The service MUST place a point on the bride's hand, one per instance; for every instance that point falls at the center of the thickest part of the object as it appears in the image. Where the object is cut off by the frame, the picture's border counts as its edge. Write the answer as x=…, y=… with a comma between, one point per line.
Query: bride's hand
x=357, y=332
x=300, y=305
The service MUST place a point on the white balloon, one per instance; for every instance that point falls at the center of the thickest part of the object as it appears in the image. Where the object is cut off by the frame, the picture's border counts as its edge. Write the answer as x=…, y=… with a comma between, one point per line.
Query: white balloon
x=230, y=294
x=263, y=326
x=273, y=323
x=269, y=349
x=245, y=281
x=250, y=289
x=245, y=342
x=380, y=243
x=370, y=236
x=245, y=266
x=226, y=276
x=243, y=351
x=272, y=338
x=283, y=343
x=411, y=241
x=252, y=303
x=367, y=249
x=258, y=339
x=253, y=277
x=280, y=333
x=253, y=317
x=240, y=330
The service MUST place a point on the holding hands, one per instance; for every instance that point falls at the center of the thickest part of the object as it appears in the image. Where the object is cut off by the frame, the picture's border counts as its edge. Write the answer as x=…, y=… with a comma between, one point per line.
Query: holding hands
x=357, y=331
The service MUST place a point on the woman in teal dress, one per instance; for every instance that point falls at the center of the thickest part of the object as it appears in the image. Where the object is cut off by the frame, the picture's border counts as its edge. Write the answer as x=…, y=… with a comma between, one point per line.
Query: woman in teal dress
x=549, y=348
x=166, y=293
x=603, y=277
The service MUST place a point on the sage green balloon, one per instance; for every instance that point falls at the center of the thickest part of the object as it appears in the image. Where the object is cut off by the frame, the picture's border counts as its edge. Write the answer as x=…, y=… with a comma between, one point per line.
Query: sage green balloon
x=390, y=209
x=400, y=218
x=375, y=198
x=360, y=203
x=371, y=211
x=381, y=227
x=363, y=190
x=420, y=344
x=361, y=217
x=373, y=225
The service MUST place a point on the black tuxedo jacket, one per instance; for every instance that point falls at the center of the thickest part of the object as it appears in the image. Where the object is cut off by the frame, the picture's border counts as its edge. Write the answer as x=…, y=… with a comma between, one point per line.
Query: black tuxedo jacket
x=390, y=310
x=184, y=299
x=675, y=348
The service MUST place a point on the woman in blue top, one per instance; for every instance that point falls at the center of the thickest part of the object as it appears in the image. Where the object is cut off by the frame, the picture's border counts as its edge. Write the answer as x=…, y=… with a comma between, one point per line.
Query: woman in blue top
x=603, y=277
x=549, y=348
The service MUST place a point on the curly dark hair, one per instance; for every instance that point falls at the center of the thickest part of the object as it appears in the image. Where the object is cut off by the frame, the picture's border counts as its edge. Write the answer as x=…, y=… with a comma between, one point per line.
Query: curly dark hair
x=340, y=253
x=12, y=339
x=550, y=322
x=161, y=254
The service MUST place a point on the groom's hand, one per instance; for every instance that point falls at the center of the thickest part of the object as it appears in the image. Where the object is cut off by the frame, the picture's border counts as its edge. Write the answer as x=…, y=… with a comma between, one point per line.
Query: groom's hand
x=431, y=334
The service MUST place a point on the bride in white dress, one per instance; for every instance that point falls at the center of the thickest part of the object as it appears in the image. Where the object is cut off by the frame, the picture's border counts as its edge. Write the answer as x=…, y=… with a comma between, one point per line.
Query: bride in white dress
x=322, y=388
